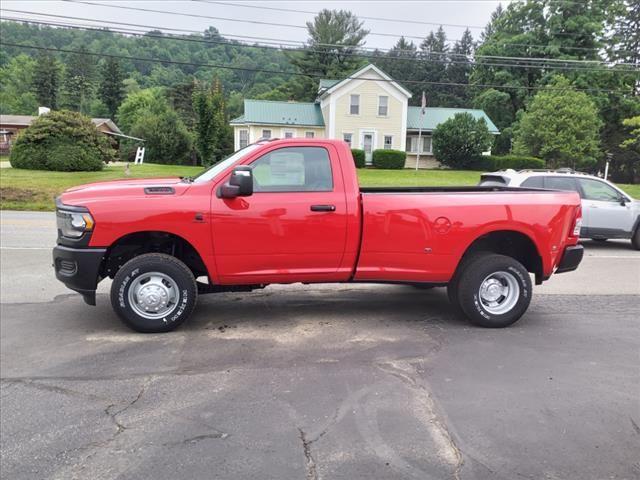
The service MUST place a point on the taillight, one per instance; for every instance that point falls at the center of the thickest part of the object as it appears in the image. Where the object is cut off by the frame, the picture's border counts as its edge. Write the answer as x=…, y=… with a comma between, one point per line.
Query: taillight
x=578, y=222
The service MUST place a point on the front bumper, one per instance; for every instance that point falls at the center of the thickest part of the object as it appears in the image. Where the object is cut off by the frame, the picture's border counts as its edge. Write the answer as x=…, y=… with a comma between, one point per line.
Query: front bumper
x=79, y=269
x=571, y=258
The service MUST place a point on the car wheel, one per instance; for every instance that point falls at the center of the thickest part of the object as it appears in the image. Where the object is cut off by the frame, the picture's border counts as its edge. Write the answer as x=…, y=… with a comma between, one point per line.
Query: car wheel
x=494, y=291
x=154, y=293
x=635, y=240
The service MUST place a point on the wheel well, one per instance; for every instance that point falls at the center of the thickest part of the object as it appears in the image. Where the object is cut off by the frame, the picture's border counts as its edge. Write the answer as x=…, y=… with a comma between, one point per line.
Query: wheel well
x=134, y=244
x=512, y=244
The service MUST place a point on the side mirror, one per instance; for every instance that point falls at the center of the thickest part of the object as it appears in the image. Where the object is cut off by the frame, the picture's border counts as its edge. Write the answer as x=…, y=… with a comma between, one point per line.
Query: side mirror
x=240, y=183
x=622, y=200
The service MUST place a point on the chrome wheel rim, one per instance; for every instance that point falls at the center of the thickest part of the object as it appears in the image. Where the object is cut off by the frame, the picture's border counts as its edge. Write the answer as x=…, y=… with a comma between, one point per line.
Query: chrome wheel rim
x=499, y=292
x=153, y=295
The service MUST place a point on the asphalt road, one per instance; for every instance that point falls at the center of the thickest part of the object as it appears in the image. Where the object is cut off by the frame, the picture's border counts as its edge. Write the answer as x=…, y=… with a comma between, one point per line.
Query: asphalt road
x=322, y=382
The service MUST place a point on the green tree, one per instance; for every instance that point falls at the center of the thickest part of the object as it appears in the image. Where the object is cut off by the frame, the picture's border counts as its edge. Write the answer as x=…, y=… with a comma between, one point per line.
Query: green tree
x=633, y=142
x=460, y=69
x=79, y=81
x=46, y=81
x=433, y=56
x=148, y=114
x=460, y=141
x=321, y=56
x=63, y=141
x=560, y=126
x=212, y=132
x=111, y=89
x=16, y=78
x=401, y=61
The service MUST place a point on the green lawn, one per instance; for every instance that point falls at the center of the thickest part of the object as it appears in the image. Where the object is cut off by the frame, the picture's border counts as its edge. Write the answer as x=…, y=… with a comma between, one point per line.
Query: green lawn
x=36, y=190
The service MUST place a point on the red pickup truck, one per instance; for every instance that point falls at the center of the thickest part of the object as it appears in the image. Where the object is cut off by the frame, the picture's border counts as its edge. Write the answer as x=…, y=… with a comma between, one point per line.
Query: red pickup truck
x=286, y=211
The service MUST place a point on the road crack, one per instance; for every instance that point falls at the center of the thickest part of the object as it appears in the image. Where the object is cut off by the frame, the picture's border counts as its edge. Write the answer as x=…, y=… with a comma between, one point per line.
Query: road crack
x=438, y=428
x=312, y=470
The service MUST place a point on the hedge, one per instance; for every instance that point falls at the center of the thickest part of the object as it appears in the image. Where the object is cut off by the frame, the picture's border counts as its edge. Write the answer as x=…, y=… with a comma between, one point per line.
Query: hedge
x=389, y=159
x=503, y=162
x=358, y=157
x=62, y=141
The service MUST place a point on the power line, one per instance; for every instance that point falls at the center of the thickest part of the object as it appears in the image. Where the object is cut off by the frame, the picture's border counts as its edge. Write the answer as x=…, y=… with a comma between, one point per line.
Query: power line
x=308, y=75
x=255, y=22
x=436, y=53
x=143, y=34
x=381, y=19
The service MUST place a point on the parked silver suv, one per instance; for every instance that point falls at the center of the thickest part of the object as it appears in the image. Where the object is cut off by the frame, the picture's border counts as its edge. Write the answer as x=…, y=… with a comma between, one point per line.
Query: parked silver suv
x=607, y=211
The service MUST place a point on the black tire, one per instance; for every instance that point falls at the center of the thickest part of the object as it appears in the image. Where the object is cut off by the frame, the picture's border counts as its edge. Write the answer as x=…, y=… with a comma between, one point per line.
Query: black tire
x=635, y=240
x=505, y=279
x=167, y=280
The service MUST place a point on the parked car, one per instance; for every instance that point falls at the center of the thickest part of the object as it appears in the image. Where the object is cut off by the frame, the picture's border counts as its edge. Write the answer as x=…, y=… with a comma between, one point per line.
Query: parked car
x=607, y=211
x=291, y=210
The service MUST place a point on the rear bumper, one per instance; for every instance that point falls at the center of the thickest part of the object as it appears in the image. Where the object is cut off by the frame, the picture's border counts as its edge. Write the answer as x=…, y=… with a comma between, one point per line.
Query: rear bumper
x=78, y=269
x=571, y=258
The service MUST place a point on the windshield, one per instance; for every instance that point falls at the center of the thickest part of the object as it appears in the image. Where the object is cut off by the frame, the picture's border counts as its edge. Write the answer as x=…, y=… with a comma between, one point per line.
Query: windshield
x=222, y=165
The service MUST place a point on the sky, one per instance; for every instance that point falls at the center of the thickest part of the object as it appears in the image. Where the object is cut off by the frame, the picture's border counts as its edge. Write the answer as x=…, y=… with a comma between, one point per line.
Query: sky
x=474, y=13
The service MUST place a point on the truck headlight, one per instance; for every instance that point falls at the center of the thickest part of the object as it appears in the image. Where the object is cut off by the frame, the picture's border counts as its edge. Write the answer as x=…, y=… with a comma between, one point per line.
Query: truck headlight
x=74, y=224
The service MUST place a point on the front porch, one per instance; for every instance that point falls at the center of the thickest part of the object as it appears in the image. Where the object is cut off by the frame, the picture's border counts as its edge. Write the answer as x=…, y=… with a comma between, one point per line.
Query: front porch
x=424, y=144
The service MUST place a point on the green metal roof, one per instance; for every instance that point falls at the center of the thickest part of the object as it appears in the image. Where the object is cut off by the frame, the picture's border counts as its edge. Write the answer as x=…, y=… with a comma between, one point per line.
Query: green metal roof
x=434, y=116
x=327, y=83
x=280, y=113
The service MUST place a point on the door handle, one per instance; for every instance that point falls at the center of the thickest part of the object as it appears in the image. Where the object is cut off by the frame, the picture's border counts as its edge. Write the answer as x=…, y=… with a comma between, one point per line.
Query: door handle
x=323, y=208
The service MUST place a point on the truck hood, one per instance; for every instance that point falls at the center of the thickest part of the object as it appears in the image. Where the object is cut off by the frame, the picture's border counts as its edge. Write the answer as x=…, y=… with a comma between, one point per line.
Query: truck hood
x=137, y=187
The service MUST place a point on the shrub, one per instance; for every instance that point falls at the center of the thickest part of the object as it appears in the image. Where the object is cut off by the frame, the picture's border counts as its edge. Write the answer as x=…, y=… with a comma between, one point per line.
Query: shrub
x=389, y=159
x=459, y=142
x=358, y=157
x=62, y=141
x=503, y=162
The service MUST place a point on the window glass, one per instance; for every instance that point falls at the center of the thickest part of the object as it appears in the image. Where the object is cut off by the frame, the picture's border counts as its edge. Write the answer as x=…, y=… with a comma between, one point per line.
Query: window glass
x=388, y=142
x=411, y=146
x=288, y=134
x=355, y=105
x=533, y=182
x=383, y=106
x=347, y=137
x=426, y=144
x=293, y=169
x=309, y=134
x=244, y=138
x=266, y=133
x=561, y=183
x=595, y=190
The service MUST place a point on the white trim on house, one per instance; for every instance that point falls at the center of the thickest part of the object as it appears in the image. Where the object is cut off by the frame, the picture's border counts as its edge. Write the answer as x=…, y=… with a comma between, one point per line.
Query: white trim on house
x=365, y=69
x=284, y=132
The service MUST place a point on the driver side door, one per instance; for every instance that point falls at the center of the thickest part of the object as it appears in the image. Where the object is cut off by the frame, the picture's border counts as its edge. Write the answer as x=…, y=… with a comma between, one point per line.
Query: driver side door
x=292, y=228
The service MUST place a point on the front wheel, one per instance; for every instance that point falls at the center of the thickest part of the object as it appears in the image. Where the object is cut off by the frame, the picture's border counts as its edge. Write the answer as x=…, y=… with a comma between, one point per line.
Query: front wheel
x=153, y=293
x=494, y=291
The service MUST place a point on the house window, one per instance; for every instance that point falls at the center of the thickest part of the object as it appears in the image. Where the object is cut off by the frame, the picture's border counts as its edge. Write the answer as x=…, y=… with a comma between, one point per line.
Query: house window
x=288, y=134
x=383, y=106
x=426, y=145
x=347, y=137
x=388, y=142
x=243, y=138
x=266, y=133
x=309, y=134
x=354, y=108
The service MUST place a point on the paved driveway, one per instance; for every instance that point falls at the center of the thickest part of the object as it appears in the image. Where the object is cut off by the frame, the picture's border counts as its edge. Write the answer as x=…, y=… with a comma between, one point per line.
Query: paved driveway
x=331, y=382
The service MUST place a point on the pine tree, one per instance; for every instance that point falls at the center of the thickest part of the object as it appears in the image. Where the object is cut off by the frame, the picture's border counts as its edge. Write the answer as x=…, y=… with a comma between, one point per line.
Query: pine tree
x=434, y=57
x=79, y=81
x=460, y=69
x=111, y=89
x=46, y=81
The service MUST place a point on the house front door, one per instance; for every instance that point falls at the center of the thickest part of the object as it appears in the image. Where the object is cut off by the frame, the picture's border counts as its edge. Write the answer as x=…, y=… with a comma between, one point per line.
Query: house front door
x=367, y=146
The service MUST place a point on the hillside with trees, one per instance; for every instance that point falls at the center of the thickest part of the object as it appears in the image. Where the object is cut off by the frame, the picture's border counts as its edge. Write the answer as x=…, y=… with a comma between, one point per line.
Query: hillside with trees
x=527, y=49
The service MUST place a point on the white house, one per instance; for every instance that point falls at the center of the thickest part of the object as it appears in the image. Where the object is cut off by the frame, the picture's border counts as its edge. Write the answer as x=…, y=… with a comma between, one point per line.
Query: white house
x=368, y=110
